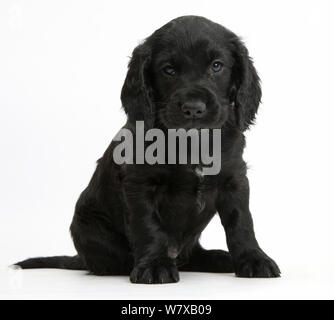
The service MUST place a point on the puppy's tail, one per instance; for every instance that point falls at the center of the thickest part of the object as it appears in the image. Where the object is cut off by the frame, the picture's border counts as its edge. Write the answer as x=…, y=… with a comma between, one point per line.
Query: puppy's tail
x=58, y=262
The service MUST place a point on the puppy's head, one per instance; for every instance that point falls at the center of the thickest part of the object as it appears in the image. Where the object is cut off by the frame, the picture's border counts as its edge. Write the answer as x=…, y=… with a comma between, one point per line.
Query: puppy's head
x=191, y=73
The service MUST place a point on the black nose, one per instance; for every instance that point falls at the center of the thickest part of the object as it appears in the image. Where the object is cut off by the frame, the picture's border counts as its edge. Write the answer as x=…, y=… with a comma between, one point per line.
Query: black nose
x=193, y=109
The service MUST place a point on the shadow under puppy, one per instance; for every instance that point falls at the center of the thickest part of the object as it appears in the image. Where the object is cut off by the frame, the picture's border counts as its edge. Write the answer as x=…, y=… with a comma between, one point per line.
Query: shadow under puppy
x=145, y=220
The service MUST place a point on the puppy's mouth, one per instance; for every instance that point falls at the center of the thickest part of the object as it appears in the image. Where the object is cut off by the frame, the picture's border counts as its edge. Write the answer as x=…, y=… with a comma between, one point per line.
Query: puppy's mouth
x=172, y=118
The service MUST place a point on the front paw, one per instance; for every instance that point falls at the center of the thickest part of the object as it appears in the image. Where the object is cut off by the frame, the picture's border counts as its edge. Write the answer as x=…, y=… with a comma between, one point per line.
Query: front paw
x=155, y=274
x=256, y=264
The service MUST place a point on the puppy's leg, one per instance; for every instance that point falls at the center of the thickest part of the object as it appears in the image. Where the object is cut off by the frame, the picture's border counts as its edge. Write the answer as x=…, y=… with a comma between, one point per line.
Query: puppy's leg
x=201, y=260
x=148, y=241
x=149, y=244
x=104, y=251
x=248, y=258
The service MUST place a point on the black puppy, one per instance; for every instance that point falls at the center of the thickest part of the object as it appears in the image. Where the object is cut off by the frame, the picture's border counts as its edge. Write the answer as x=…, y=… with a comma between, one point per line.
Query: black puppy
x=145, y=220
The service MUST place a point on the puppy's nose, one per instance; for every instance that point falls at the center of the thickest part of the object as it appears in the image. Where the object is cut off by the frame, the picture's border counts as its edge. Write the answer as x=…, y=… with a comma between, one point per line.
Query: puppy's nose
x=193, y=109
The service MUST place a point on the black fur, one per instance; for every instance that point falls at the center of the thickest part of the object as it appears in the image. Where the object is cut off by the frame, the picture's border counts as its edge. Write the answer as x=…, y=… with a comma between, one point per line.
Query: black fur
x=145, y=220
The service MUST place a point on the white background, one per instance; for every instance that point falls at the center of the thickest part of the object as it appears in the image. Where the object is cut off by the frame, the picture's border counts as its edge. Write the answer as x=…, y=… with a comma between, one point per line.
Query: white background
x=62, y=65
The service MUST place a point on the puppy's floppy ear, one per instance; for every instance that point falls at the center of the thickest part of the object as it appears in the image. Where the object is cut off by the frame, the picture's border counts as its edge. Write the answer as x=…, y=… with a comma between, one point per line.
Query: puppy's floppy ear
x=246, y=86
x=136, y=95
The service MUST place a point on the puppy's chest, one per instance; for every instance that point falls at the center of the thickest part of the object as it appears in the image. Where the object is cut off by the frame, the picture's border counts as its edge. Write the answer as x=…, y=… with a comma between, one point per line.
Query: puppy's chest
x=186, y=199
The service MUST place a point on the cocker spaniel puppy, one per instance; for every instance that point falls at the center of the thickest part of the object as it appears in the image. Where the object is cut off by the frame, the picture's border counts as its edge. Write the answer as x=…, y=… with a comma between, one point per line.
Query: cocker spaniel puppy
x=145, y=220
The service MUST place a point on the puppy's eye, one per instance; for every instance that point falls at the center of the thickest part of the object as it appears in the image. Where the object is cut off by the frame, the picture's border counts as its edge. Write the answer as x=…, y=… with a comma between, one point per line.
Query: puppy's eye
x=216, y=66
x=169, y=70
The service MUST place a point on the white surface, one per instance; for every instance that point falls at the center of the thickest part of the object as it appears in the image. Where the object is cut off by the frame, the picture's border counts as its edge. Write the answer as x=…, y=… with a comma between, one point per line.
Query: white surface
x=62, y=65
x=65, y=284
